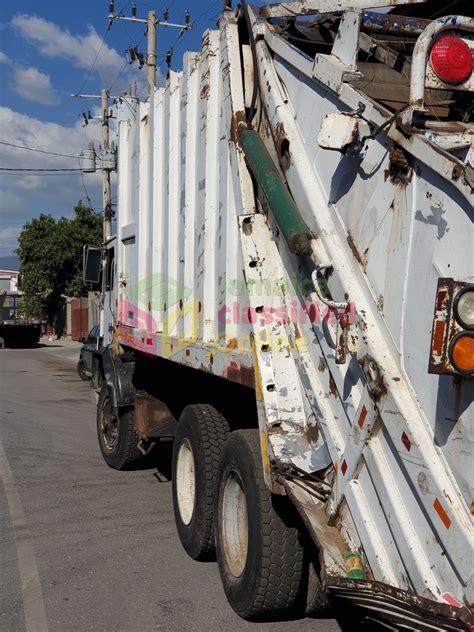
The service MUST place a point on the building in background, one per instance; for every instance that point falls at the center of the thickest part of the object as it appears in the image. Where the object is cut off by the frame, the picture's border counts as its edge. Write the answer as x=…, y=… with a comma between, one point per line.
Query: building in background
x=8, y=281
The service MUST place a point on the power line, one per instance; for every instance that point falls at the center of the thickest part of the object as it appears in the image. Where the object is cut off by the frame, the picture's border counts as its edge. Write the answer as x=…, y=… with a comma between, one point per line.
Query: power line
x=195, y=21
x=95, y=60
x=118, y=76
x=104, y=37
x=21, y=169
x=41, y=175
x=204, y=13
x=40, y=151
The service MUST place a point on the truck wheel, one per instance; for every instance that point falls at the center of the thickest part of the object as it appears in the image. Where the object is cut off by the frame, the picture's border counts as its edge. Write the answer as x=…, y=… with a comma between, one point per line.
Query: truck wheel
x=259, y=547
x=317, y=600
x=80, y=371
x=200, y=435
x=116, y=432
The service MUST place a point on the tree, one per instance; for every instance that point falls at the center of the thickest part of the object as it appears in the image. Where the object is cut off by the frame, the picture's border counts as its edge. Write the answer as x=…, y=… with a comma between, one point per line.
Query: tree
x=50, y=253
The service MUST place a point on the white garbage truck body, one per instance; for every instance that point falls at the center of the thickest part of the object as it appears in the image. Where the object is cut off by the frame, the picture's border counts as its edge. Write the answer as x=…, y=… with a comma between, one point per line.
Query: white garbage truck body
x=295, y=215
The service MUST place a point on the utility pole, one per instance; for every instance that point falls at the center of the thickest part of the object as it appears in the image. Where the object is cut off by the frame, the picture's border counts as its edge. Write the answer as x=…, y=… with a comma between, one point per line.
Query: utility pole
x=108, y=160
x=106, y=201
x=151, y=62
x=151, y=22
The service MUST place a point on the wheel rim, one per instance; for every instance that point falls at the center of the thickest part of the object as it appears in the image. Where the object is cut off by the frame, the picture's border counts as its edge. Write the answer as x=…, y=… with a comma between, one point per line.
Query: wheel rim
x=185, y=482
x=234, y=524
x=108, y=426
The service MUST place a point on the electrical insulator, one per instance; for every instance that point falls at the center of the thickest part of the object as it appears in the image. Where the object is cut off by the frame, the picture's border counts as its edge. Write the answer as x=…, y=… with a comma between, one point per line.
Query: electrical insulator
x=187, y=17
x=166, y=15
x=169, y=57
x=111, y=7
x=134, y=10
x=141, y=59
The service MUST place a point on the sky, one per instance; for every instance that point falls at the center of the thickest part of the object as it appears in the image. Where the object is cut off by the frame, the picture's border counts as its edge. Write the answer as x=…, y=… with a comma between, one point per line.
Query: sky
x=50, y=49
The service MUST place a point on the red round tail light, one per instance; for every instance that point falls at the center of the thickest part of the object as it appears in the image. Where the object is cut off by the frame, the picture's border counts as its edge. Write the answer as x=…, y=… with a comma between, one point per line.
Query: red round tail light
x=452, y=59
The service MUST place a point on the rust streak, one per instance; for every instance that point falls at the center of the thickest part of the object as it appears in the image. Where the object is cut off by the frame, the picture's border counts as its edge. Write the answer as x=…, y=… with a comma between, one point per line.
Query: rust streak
x=355, y=251
x=400, y=170
x=241, y=374
x=332, y=386
x=237, y=118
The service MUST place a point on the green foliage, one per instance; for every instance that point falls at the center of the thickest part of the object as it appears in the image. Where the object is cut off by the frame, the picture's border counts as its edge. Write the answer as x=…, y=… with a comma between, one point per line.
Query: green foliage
x=50, y=253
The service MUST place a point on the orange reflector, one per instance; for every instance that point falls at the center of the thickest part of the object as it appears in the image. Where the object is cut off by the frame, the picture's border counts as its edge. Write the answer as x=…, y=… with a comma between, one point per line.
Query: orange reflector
x=438, y=337
x=363, y=415
x=445, y=519
x=462, y=353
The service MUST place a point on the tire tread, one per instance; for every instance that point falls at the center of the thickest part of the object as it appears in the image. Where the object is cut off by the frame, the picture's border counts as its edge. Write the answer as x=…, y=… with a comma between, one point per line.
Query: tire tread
x=213, y=432
x=278, y=586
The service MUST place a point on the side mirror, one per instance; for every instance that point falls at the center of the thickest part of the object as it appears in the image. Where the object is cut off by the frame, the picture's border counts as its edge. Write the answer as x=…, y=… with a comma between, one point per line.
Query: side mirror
x=92, y=265
x=82, y=340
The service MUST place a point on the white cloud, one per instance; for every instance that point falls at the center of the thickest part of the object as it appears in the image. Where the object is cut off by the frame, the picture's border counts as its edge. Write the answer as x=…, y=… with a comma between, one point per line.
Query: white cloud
x=9, y=239
x=81, y=50
x=25, y=196
x=30, y=83
x=34, y=85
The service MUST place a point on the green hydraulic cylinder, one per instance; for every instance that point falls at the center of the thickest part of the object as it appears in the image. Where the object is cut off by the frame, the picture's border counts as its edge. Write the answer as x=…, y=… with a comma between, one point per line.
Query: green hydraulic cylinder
x=275, y=190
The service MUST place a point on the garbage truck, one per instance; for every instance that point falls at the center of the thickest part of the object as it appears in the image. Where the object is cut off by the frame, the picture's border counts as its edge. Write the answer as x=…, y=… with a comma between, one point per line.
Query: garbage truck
x=289, y=298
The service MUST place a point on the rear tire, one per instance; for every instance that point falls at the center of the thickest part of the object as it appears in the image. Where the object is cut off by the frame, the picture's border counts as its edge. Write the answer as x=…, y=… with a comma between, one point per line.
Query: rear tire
x=317, y=600
x=116, y=432
x=200, y=435
x=259, y=545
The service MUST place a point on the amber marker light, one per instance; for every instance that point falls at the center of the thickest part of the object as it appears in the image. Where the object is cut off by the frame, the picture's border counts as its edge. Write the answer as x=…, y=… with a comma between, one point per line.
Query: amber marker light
x=461, y=353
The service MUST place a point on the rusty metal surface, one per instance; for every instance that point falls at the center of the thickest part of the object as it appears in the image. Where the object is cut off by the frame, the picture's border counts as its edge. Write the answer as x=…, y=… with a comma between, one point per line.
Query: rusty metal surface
x=310, y=7
x=241, y=374
x=400, y=171
x=393, y=24
x=398, y=203
x=402, y=607
x=153, y=418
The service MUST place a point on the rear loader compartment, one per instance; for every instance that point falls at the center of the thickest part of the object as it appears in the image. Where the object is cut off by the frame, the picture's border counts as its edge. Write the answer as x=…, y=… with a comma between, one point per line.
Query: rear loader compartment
x=293, y=208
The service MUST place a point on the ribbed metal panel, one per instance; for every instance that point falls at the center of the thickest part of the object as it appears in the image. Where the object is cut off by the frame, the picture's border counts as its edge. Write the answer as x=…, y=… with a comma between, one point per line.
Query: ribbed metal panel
x=180, y=194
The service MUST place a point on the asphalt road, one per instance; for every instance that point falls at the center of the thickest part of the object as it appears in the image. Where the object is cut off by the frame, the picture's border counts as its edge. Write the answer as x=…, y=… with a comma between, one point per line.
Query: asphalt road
x=84, y=547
